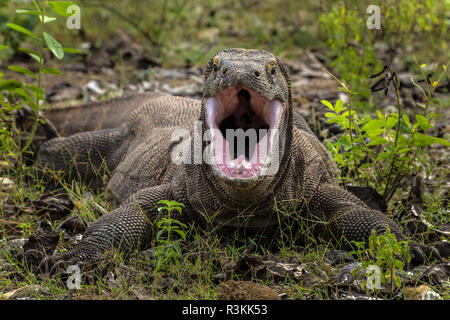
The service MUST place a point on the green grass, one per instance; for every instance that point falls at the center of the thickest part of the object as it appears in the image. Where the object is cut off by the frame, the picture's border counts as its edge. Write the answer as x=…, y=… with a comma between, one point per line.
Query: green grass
x=204, y=256
x=179, y=31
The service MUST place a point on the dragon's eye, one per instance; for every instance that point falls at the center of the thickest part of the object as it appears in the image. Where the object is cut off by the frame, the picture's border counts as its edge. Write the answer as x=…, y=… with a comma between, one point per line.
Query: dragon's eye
x=272, y=66
x=216, y=64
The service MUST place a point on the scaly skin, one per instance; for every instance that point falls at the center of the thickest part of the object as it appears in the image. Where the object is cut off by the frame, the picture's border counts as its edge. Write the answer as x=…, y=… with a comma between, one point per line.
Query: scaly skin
x=137, y=155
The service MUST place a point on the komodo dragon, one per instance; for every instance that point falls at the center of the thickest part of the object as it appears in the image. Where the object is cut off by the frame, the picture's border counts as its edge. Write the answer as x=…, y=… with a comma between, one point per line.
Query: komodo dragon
x=246, y=89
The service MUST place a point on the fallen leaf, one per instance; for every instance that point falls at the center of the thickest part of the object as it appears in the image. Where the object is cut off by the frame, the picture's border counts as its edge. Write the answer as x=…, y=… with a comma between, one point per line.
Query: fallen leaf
x=55, y=207
x=8, y=295
x=42, y=240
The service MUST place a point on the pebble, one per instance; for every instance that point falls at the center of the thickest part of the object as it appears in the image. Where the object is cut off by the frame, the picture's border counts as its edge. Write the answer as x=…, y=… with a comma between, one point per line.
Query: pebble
x=422, y=292
x=6, y=184
x=246, y=290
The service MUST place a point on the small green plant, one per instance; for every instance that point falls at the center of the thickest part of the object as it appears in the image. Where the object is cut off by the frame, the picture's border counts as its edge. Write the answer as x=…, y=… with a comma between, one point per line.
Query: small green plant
x=385, y=252
x=32, y=95
x=382, y=150
x=355, y=48
x=349, y=40
x=6, y=137
x=168, y=249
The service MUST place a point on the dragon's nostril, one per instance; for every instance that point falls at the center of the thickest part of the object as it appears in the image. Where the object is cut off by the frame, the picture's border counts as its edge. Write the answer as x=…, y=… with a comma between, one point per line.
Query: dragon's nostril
x=257, y=74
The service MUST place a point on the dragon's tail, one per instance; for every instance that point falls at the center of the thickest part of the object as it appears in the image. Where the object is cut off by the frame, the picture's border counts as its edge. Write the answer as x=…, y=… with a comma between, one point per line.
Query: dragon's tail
x=94, y=116
x=66, y=121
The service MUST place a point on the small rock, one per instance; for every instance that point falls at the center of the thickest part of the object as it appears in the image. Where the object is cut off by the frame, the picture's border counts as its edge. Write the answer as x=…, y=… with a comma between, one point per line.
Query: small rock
x=171, y=74
x=183, y=90
x=283, y=270
x=64, y=91
x=146, y=85
x=245, y=290
x=13, y=245
x=220, y=276
x=141, y=293
x=262, y=268
x=343, y=96
x=94, y=87
x=422, y=292
x=358, y=296
x=112, y=86
x=6, y=184
x=131, y=87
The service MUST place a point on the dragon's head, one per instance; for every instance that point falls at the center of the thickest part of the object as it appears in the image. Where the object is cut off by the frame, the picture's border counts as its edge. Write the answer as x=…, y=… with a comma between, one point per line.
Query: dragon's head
x=247, y=110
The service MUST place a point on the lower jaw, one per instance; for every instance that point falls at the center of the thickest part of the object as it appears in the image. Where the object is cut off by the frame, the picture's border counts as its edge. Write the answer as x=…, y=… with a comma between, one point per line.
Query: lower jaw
x=241, y=170
x=240, y=182
x=242, y=191
x=244, y=179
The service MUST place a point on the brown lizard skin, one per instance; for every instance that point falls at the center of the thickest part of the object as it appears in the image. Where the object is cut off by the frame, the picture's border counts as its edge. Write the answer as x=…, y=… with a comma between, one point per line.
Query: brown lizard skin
x=136, y=156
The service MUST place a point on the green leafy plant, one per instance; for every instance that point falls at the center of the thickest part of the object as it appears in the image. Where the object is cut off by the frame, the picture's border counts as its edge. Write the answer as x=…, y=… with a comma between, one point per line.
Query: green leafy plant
x=32, y=95
x=6, y=140
x=384, y=149
x=355, y=48
x=168, y=249
x=385, y=252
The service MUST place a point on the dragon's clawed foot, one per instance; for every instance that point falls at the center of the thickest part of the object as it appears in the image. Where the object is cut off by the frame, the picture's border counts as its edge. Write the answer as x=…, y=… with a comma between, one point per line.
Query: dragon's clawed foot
x=422, y=254
x=84, y=257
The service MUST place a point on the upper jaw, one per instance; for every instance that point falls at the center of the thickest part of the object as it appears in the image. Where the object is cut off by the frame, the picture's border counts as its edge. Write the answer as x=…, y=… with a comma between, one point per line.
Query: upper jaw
x=250, y=155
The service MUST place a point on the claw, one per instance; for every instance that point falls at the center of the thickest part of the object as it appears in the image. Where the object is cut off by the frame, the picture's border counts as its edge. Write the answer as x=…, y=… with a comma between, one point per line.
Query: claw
x=44, y=265
x=432, y=253
x=421, y=254
x=58, y=267
x=417, y=256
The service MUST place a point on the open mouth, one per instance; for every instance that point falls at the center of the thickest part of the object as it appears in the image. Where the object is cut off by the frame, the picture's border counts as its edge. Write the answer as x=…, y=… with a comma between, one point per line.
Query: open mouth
x=243, y=126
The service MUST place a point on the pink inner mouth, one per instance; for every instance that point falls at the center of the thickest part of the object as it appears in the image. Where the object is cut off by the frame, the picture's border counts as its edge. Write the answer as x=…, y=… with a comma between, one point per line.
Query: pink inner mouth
x=253, y=119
